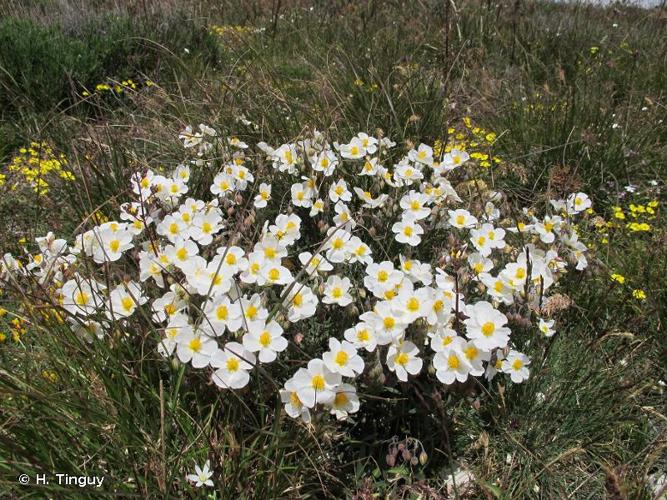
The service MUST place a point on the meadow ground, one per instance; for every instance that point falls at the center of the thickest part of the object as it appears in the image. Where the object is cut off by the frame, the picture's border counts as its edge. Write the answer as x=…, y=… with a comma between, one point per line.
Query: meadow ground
x=554, y=98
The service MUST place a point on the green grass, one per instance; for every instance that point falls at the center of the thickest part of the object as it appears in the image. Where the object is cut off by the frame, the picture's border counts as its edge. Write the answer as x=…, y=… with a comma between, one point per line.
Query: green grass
x=591, y=420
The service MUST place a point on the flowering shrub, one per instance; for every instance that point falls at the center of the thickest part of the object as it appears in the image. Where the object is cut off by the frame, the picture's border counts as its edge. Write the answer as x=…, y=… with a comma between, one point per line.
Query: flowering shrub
x=413, y=271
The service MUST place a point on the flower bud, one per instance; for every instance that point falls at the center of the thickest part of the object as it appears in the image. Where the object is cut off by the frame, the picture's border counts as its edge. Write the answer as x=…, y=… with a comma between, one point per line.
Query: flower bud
x=423, y=458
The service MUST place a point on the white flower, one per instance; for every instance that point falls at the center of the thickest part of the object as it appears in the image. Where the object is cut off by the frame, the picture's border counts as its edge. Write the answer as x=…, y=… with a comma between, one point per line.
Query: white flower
x=416, y=271
x=359, y=251
x=110, y=244
x=408, y=231
x=326, y=162
x=462, y=219
x=402, y=358
x=339, y=191
x=178, y=327
x=314, y=263
x=367, y=142
x=336, y=245
x=354, y=150
x=414, y=304
x=451, y=364
x=342, y=358
x=221, y=313
x=293, y=405
x=265, y=339
x=233, y=363
x=454, y=159
x=486, y=326
x=578, y=202
x=202, y=476
x=516, y=364
x=546, y=327
x=124, y=299
x=381, y=278
x=301, y=195
x=413, y=203
x=315, y=384
x=195, y=348
x=301, y=303
x=274, y=274
x=263, y=196
x=205, y=226
x=362, y=335
x=423, y=154
x=443, y=338
x=82, y=296
x=337, y=291
x=345, y=401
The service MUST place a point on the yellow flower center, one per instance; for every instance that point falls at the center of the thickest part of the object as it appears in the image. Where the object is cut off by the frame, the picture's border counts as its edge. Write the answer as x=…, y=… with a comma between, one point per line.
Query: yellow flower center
x=274, y=274
x=232, y=364
x=471, y=352
x=195, y=344
x=337, y=293
x=81, y=298
x=389, y=322
x=340, y=399
x=294, y=399
x=114, y=245
x=317, y=382
x=251, y=311
x=517, y=364
x=488, y=328
x=413, y=304
x=453, y=361
x=222, y=313
x=460, y=219
x=402, y=358
x=182, y=253
x=341, y=358
x=265, y=338
x=127, y=303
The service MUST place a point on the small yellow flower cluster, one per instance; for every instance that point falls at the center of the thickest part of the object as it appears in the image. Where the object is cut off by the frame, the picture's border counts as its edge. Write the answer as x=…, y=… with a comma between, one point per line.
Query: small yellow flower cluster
x=117, y=88
x=472, y=139
x=50, y=376
x=637, y=293
x=17, y=328
x=36, y=164
x=619, y=278
x=640, y=213
x=371, y=87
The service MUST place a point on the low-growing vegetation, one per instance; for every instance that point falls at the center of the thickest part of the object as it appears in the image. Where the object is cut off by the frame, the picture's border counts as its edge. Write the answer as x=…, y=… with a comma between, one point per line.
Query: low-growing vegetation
x=275, y=249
